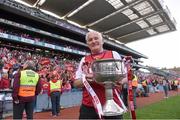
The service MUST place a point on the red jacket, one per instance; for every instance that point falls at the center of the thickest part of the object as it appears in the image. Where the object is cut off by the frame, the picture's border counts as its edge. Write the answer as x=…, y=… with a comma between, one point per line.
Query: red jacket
x=45, y=86
x=98, y=88
x=4, y=83
x=1, y=86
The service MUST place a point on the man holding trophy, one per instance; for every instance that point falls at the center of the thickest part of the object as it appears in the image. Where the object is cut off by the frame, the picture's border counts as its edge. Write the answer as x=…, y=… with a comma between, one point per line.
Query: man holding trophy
x=97, y=74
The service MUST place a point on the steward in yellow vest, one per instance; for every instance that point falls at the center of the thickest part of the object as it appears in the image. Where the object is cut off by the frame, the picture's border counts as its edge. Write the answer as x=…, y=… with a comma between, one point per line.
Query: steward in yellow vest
x=144, y=83
x=28, y=82
x=135, y=81
x=25, y=88
x=176, y=83
x=55, y=86
x=134, y=86
x=55, y=92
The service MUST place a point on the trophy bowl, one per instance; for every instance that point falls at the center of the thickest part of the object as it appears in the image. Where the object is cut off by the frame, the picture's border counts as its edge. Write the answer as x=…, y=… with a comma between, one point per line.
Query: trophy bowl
x=108, y=70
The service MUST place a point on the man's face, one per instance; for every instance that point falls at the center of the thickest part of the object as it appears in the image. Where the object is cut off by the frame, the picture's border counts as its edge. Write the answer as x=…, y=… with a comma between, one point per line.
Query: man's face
x=95, y=42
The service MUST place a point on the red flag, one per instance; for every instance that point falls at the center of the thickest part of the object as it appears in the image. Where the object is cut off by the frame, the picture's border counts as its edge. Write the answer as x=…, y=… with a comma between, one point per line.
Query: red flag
x=45, y=61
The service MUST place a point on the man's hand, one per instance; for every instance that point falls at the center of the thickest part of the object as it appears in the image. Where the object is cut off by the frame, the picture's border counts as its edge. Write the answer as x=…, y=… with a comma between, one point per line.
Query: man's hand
x=123, y=81
x=16, y=101
x=89, y=77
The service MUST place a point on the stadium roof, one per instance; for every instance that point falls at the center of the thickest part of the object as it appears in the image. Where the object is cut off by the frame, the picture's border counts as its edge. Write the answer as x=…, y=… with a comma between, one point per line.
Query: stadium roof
x=122, y=20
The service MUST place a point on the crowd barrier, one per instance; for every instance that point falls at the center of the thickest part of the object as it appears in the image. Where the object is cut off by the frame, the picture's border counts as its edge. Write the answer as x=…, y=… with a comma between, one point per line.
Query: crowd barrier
x=43, y=101
x=6, y=104
x=67, y=99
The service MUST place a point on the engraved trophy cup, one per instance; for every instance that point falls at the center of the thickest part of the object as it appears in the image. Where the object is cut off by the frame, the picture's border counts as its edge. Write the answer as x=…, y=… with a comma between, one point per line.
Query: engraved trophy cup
x=107, y=72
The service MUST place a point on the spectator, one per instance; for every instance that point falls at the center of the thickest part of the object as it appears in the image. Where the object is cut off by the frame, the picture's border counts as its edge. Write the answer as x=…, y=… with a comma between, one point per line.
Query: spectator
x=165, y=87
x=134, y=87
x=144, y=84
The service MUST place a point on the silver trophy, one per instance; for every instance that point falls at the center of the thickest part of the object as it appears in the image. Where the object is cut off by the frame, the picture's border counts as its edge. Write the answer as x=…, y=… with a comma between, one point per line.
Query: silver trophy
x=107, y=72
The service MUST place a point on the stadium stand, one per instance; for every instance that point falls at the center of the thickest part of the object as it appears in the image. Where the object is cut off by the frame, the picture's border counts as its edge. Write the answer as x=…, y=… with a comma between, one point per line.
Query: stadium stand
x=55, y=45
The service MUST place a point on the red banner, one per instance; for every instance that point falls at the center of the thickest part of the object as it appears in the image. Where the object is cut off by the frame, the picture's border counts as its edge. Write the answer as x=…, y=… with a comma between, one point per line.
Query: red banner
x=130, y=91
x=45, y=61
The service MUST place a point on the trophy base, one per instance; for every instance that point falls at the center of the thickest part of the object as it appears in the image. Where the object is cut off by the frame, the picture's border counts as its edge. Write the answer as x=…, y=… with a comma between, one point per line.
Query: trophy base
x=112, y=109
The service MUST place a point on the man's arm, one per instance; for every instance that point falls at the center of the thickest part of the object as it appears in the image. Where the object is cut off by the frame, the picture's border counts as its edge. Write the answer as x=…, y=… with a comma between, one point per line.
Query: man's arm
x=78, y=83
x=79, y=76
x=38, y=87
x=16, y=85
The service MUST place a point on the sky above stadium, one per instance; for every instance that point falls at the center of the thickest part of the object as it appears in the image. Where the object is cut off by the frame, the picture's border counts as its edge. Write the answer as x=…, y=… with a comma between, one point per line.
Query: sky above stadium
x=162, y=50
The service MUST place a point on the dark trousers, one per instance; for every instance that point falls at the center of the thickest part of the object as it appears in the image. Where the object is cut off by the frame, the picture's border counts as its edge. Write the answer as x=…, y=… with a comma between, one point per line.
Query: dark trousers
x=19, y=108
x=125, y=96
x=55, y=101
x=1, y=110
x=90, y=113
x=165, y=90
x=134, y=96
x=1, y=115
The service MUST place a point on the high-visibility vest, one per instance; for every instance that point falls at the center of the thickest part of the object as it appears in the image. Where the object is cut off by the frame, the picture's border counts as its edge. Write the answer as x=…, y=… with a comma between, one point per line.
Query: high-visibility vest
x=135, y=81
x=144, y=83
x=55, y=86
x=176, y=82
x=28, y=82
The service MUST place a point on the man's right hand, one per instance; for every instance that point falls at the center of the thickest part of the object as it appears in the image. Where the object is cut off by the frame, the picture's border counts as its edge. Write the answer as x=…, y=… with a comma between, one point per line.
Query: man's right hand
x=89, y=77
x=16, y=101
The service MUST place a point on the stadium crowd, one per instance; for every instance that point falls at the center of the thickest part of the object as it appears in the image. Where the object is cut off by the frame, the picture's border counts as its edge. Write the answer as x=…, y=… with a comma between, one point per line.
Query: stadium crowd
x=64, y=67
x=12, y=61
x=37, y=38
x=153, y=83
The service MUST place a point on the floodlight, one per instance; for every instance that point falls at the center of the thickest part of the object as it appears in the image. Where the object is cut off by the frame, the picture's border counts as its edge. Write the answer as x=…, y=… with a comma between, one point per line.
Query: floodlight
x=133, y=16
x=151, y=31
x=162, y=28
x=130, y=14
x=129, y=1
x=115, y=3
x=142, y=24
x=127, y=12
x=141, y=6
x=154, y=20
x=144, y=8
x=146, y=11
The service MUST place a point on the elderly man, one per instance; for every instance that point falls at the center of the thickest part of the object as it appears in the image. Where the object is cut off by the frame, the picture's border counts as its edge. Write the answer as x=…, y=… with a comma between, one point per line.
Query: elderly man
x=26, y=86
x=89, y=110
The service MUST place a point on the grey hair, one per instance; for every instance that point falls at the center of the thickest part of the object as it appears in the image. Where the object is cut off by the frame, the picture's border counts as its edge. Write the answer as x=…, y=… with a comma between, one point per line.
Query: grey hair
x=87, y=35
x=30, y=64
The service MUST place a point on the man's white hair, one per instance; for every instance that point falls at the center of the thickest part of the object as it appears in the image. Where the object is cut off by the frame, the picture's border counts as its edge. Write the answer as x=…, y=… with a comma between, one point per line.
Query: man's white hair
x=100, y=35
x=29, y=64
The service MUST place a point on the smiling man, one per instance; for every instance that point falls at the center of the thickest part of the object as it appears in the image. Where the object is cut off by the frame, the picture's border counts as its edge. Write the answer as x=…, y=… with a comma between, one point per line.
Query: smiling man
x=90, y=109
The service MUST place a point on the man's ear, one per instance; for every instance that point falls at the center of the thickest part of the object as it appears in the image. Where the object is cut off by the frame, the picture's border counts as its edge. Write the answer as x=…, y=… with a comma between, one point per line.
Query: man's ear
x=102, y=42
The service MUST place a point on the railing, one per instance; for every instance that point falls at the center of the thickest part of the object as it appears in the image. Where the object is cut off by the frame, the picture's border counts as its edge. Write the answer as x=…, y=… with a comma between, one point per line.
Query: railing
x=42, y=44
